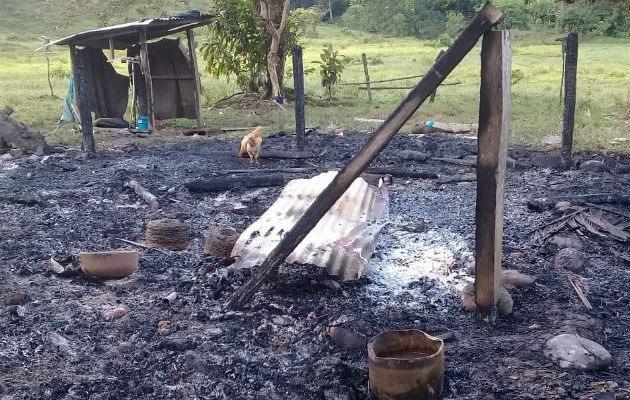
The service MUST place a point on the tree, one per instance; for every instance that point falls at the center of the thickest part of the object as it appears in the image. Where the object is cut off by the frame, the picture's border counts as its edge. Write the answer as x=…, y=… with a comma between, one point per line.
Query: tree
x=273, y=14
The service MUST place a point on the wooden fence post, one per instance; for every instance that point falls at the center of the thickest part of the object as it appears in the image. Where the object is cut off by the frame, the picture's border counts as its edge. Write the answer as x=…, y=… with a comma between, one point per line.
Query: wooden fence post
x=83, y=98
x=298, y=86
x=432, y=98
x=568, y=115
x=487, y=17
x=367, y=76
x=494, y=124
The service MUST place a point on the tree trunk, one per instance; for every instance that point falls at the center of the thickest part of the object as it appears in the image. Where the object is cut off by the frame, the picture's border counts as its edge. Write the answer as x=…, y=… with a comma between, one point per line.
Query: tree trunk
x=272, y=64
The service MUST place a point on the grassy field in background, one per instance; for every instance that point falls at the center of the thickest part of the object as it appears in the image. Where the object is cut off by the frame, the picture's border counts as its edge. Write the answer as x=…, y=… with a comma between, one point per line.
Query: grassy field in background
x=602, y=105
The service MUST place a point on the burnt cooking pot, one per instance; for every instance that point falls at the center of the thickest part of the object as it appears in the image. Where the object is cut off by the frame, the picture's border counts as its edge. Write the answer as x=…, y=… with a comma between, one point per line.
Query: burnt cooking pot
x=405, y=365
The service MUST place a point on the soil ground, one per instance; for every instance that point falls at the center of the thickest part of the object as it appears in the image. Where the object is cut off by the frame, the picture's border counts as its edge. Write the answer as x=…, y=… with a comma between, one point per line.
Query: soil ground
x=59, y=344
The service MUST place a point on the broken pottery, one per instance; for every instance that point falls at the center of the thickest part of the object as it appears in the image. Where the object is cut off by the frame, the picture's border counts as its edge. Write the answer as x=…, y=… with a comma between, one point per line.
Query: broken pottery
x=109, y=264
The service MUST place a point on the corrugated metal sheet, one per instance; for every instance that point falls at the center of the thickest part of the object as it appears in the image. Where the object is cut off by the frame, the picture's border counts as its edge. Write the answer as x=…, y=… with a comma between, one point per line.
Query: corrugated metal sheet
x=342, y=241
x=126, y=34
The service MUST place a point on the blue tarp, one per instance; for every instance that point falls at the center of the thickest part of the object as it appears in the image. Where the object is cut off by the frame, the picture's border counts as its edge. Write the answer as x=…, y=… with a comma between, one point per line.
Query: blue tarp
x=67, y=115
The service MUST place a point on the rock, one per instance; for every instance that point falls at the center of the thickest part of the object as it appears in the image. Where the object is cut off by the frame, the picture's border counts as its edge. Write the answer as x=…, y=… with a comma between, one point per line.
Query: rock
x=162, y=324
x=547, y=161
x=468, y=297
x=566, y=241
x=518, y=255
x=574, y=351
x=125, y=347
x=594, y=166
x=117, y=312
x=569, y=258
x=346, y=338
x=514, y=279
x=14, y=299
x=6, y=157
x=505, y=303
x=622, y=169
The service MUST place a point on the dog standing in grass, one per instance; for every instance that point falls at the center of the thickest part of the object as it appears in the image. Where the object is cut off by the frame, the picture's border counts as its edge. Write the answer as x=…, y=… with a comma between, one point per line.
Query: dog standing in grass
x=251, y=145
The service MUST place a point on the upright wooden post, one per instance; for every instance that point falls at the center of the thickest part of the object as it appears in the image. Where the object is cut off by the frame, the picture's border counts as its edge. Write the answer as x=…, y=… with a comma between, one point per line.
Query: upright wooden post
x=494, y=124
x=83, y=98
x=193, y=62
x=146, y=71
x=432, y=98
x=298, y=86
x=111, y=48
x=367, y=76
x=568, y=116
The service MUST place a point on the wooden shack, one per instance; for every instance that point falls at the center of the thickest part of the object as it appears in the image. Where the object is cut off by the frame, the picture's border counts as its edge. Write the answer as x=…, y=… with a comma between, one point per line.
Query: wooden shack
x=174, y=83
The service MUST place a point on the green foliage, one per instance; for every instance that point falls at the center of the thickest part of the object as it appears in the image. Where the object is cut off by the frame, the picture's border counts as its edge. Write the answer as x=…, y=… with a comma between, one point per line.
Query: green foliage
x=517, y=75
x=516, y=13
x=237, y=45
x=306, y=20
x=59, y=70
x=330, y=69
x=595, y=18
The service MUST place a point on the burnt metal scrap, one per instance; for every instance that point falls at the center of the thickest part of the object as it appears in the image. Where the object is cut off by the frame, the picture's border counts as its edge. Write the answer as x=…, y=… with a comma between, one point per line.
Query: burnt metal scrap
x=342, y=241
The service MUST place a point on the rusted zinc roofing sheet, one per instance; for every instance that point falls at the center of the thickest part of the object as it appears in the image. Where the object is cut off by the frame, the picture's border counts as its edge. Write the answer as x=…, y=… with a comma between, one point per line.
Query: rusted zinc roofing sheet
x=124, y=35
x=342, y=242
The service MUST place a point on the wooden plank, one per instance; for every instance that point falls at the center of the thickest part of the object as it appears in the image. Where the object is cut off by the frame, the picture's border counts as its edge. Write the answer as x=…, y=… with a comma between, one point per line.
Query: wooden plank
x=298, y=86
x=382, y=81
x=402, y=87
x=568, y=115
x=494, y=125
x=485, y=19
x=84, y=99
x=111, y=48
x=367, y=76
x=190, y=34
x=146, y=71
x=432, y=98
x=173, y=77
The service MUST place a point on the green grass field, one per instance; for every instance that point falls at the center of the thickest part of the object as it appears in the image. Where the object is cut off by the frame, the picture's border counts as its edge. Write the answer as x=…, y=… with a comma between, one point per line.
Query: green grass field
x=602, y=108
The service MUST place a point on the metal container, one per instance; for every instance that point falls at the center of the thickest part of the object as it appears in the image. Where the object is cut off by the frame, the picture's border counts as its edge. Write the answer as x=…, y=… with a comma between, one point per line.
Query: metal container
x=405, y=365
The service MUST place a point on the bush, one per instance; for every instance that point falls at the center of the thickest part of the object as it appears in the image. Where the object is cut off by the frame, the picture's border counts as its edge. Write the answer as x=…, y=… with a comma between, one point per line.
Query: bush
x=516, y=13
x=306, y=20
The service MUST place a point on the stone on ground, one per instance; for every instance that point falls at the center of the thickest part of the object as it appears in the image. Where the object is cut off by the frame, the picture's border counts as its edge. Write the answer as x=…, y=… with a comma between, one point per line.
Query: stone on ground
x=569, y=258
x=573, y=351
x=594, y=166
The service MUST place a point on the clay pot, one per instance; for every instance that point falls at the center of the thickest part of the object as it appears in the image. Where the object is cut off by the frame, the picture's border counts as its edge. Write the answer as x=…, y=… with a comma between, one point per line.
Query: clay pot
x=220, y=241
x=406, y=365
x=109, y=264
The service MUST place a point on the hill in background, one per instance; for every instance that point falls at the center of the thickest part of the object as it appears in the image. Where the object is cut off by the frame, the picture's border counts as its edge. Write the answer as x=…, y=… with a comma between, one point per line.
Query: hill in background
x=22, y=21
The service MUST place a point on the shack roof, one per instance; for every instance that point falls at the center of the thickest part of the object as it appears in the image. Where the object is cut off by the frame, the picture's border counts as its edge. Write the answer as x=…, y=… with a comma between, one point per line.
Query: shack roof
x=125, y=35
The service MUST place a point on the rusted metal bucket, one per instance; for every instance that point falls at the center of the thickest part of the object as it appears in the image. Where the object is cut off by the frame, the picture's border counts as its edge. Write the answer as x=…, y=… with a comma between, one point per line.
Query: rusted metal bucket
x=406, y=365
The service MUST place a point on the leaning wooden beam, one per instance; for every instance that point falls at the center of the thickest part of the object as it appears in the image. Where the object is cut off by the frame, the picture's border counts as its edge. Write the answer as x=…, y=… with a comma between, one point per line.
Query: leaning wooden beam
x=147, y=196
x=487, y=17
x=193, y=64
x=494, y=124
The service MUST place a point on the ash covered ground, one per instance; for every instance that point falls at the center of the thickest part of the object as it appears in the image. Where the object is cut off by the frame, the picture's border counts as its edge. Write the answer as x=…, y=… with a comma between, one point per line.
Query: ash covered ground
x=59, y=342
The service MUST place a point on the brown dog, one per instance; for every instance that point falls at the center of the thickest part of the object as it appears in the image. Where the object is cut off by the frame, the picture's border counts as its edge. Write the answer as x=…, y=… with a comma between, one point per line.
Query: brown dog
x=251, y=145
